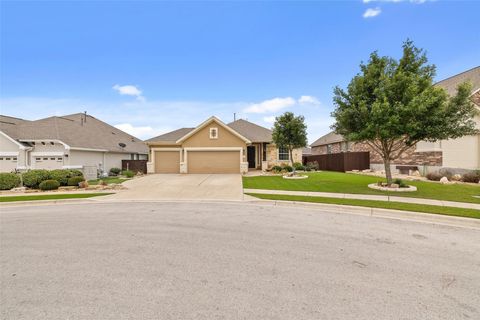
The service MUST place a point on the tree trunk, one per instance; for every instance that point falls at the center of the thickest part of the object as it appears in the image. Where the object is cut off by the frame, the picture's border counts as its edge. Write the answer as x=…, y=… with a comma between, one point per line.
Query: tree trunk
x=388, y=171
x=291, y=159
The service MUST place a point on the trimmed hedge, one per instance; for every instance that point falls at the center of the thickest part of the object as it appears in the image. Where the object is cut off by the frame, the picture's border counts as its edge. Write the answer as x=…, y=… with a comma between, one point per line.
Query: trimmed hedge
x=75, y=181
x=33, y=178
x=61, y=176
x=128, y=173
x=49, y=185
x=9, y=181
x=473, y=176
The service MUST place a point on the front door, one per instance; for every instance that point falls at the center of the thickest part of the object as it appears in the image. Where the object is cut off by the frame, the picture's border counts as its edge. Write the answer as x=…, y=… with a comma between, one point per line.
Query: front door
x=251, y=156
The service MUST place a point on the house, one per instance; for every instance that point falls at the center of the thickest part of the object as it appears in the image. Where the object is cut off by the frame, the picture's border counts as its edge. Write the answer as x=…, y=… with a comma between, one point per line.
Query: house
x=216, y=147
x=454, y=154
x=77, y=141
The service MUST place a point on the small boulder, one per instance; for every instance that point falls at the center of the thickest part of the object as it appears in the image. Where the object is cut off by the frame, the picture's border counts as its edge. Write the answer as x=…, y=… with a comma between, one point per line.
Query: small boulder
x=394, y=186
x=444, y=180
x=367, y=170
x=456, y=177
x=416, y=173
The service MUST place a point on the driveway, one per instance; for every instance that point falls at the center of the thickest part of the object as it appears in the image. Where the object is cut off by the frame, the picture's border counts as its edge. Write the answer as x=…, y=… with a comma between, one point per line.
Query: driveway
x=207, y=261
x=183, y=187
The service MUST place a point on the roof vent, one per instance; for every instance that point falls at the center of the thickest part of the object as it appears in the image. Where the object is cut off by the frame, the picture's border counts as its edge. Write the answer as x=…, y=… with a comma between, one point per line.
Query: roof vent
x=122, y=145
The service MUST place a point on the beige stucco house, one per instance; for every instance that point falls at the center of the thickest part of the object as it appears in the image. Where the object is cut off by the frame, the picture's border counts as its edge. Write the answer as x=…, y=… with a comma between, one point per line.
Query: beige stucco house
x=75, y=141
x=454, y=154
x=216, y=147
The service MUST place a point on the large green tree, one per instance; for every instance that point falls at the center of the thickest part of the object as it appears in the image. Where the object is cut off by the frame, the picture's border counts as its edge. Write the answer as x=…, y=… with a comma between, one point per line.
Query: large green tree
x=290, y=131
x=393, y=104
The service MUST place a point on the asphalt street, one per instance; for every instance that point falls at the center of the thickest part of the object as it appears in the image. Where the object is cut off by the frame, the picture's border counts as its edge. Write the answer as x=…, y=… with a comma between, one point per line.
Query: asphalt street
x=231, y=261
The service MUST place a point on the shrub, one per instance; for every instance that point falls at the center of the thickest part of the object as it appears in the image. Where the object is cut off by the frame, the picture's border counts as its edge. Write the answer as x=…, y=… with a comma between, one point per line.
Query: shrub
x=115, y=171
x=75, y=173
x=61, y=176
x=276, y=169
x=313, y=165
x=49, y=185
x=446, y=173
x=473, y=176
x=33, y=178
x=434, y=176
x=298, y=166
x=400, y=183
x=75, y=181
x=9, y=181
x=287, y=168
x=128, y=173
x=83, y=184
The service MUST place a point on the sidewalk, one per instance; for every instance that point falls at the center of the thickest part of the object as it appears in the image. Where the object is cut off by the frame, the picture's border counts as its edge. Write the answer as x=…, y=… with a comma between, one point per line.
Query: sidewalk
x=369, y=197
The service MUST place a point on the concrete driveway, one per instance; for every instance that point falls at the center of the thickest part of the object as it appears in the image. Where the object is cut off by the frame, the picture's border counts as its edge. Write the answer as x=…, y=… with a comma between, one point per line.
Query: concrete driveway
x=183, y=187
x=182, y=260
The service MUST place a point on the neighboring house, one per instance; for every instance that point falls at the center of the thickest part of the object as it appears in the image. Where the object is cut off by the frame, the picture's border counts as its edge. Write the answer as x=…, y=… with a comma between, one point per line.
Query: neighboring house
x=455, y=154
x=73, y=141
x=215, y=147
x=307, y=151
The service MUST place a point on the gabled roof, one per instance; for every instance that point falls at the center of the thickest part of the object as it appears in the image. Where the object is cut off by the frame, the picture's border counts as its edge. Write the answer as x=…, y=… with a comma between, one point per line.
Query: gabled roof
x=77, y=131
x=207, y=122
x=329, y=138
x=169, y=137
x=252, y=131
x=450, y=84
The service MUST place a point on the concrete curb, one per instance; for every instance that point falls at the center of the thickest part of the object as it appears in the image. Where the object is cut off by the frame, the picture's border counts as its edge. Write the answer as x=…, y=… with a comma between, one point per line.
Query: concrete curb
x=387, y=198
x=451, y=221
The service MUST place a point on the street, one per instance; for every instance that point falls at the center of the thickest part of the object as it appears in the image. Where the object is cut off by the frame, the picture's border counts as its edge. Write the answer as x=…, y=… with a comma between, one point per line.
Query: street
x=231, y=261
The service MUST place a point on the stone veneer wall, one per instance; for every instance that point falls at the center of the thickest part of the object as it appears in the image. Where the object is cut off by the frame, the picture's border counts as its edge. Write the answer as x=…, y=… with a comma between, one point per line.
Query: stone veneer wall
x=272, y=156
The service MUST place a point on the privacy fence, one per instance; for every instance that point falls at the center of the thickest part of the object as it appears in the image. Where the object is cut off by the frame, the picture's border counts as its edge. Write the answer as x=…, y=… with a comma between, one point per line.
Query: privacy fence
x=344, y=161
x=135, y=165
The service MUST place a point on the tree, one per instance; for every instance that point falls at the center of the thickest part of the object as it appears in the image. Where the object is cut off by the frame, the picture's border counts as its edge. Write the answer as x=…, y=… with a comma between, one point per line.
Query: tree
x=391, y=105
x=290, y=131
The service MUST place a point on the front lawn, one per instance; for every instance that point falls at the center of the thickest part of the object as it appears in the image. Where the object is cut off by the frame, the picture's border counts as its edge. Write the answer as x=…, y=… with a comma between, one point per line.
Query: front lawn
x=108, y=180
x=337, y=182
x=51, y=197
x=450, y=211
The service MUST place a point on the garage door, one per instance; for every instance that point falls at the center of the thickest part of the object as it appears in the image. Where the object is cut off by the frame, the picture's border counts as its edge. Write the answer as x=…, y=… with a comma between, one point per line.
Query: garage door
x=213, y=162
x=49, y=163
x=167, y=161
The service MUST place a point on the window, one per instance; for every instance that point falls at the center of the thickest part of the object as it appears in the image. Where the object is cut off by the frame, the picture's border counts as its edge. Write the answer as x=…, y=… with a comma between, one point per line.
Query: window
x=329, y=148
x=14, y=158
x=213, y=133
x=59, y=159
x=264, y=152
x=283, y=154
x=7, y=158
x=38, y=159
x=52, y=158
x=45, y=158
x=1, y=158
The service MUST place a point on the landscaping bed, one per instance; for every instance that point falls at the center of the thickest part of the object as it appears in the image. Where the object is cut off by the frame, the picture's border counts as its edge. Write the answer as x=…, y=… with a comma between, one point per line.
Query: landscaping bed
x=337, y=182
x=52, y=196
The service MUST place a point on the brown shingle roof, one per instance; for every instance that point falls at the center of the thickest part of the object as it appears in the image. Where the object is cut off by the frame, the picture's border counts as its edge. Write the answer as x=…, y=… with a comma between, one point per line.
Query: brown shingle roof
x=70, y=129
x=331, y=137
x=251, y=131
x=170, y=137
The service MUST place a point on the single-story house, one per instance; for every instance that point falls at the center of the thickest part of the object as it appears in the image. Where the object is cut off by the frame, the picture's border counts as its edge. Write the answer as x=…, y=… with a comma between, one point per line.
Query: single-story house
x=77, y=141
x=454, y=154
x=216, y=147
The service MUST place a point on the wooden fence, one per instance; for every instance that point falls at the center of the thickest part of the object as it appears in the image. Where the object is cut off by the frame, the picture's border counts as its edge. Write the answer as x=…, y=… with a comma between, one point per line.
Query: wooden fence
x=344, y=161
x=135, y=165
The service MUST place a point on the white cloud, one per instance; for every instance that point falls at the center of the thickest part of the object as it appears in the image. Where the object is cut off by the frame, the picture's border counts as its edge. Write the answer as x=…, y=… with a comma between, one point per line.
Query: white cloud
x=309, y=100
x=139, y=132
x=129, y=90
x=270, y=119
x=372, y=12
x=271, y=105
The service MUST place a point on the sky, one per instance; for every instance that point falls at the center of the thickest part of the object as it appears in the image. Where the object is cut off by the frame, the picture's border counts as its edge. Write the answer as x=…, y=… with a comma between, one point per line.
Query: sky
x=149, y=67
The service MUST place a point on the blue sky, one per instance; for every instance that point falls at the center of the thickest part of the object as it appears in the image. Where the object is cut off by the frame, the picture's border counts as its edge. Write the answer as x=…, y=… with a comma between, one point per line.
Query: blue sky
x=151, y=67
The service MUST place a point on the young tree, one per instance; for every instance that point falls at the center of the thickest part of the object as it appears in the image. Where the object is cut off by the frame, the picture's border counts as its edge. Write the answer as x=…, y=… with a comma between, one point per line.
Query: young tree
x=290, y=131
x=391, y=105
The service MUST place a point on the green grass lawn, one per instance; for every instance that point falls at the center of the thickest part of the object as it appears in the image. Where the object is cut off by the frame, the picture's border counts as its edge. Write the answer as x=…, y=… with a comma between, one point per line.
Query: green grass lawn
x=460, y=212
x=337, y=182
x=108, y=180
x=51, y=197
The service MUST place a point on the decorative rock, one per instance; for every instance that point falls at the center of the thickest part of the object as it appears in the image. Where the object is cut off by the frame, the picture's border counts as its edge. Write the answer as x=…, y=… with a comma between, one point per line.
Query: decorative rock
x=416, y=173
x=456, y=177
x=19, y=189
x=444, y=180
x=367, y=170
x=296, y=177
x=394, y=186
x=382, y=188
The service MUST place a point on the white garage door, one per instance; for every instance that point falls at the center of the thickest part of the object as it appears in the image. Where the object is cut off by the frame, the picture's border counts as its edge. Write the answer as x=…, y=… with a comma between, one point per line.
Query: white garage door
x=48, y=163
